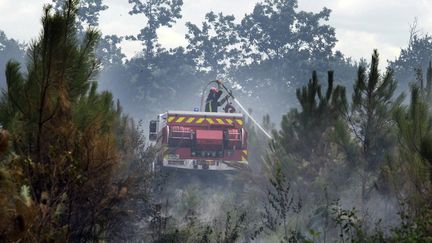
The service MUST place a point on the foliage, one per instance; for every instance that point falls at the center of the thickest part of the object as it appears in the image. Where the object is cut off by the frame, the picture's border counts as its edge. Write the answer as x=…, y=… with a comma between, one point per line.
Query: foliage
x=280, y=206
x=77, y=169
x=318, y=113
x=417, y=229
x=64, y=151
x=370, y=122
x=281, y=46
x=88, y=12
x=300, y=141
x=416, y=56
x=9, y=49
x=233, y=225
x=17, y=212
x=172, y=76
x=109, y=51
x=158, y=13
x=214, y=46
x=220, y=47
x=327, y=134
x=414, y=125
x=277, y=30
x=372, y=106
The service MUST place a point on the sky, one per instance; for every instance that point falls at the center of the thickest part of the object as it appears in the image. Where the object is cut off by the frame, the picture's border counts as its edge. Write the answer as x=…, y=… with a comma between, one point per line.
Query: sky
x=361, y=25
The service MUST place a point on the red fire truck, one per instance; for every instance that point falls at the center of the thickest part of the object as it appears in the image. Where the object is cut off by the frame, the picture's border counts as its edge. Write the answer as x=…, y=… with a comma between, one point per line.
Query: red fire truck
x=200, y=140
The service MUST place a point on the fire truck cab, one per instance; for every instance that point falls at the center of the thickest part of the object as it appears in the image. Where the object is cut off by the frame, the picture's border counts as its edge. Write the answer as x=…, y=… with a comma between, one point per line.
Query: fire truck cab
x=200, y=140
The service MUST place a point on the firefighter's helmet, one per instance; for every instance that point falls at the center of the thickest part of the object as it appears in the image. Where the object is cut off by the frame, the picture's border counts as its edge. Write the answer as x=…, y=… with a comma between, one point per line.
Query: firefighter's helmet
x=213, y=90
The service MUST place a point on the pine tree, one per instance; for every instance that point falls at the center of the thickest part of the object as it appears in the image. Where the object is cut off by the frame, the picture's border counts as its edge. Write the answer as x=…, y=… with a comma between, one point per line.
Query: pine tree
x=428, y=91
x=302, y=130
x=304, y=144
x=62, y=133
x=370, y=120
x=372, y=106
x=414, y=125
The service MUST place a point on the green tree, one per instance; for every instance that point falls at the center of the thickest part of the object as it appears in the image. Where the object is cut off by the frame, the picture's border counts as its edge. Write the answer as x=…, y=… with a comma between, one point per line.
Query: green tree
x=281, y=45
x=370, y=120
x=371, y=109
x=214, y=45
x=158, y=13
x=62, y=134
x=109, y=51
x=425, y=86
x=414, y=124
x=277, y=29
x=415, y=56
x=88, y=12
x=9, y=49
x=303, y=131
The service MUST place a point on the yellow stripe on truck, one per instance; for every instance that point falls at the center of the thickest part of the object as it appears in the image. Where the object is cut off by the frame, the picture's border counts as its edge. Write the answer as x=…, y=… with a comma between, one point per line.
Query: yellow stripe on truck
x=220, y=121
x=190, y=120
x=211, y=121
x=244, y=155
x=180, y=119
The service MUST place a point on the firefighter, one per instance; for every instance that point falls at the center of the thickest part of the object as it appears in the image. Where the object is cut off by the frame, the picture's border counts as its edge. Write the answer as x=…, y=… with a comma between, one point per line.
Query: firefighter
x=229, y=108
x=212, y=102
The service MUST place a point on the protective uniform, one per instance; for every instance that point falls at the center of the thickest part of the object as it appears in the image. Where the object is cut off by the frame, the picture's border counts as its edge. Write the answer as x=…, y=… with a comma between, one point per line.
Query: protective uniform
x=212, y=103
